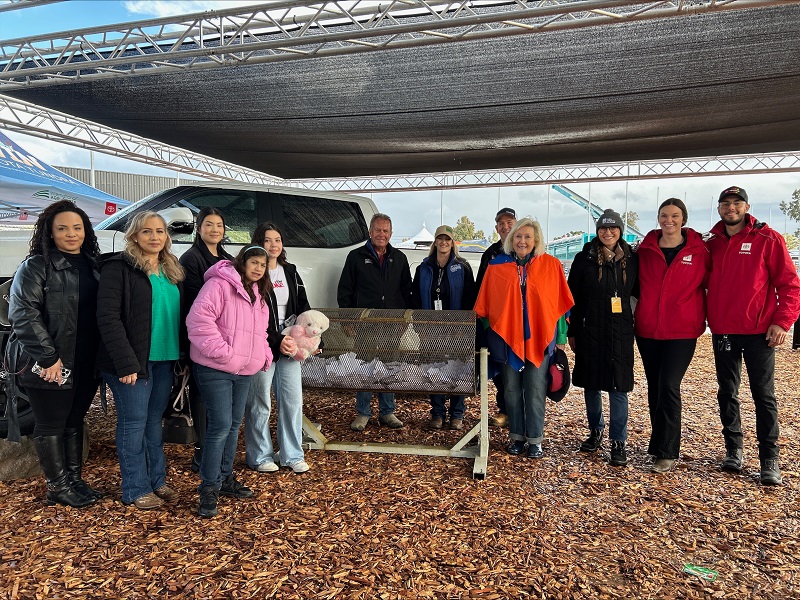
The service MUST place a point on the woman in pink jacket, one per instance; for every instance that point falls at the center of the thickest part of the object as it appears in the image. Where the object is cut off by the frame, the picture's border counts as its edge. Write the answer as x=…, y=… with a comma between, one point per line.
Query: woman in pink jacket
x=228, y=335
x=670, y=316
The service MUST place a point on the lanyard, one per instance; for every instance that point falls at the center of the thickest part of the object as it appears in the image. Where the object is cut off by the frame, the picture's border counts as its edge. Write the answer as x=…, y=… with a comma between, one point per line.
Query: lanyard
x=439, y=281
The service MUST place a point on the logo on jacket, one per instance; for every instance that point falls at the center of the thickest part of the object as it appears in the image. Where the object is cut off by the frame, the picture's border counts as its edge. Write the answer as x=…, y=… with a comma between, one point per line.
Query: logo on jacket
x=687, y=259
x=746, y=248
x=367, y=261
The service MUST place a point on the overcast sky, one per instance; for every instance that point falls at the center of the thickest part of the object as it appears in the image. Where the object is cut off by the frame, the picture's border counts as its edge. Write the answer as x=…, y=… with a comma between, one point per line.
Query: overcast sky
x=410, y=210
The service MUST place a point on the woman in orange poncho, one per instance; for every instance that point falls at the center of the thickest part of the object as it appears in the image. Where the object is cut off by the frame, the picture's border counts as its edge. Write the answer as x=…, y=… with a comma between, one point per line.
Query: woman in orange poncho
x=523, y=303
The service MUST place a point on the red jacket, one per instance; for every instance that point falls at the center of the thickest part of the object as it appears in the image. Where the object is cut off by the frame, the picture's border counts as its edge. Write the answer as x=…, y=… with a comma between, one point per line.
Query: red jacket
x=753, y=282
x=672, y=300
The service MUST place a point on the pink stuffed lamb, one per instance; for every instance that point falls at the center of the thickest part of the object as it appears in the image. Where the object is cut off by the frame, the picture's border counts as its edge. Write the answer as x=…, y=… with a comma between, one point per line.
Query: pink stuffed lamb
x=307, y=333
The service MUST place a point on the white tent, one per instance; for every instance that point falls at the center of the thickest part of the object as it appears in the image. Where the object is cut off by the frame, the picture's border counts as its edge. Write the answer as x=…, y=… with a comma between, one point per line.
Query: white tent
x=422, y=240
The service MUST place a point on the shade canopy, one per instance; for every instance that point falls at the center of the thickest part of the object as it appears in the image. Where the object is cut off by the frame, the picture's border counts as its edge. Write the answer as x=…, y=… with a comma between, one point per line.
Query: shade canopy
x=27, y=185
x=704, y=85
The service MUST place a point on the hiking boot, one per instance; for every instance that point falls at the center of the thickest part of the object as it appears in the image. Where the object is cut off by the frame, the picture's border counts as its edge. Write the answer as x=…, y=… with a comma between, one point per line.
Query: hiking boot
x=733, y=461
x=148, y=502
x=208, y=503
x=618, y=456
x=534, y=451
x=166, y=493
x=390, y=421
x=663, y=465
x=770, y=472
x=499, y=420
x=234, y=489
x=359, y=423
x=435, y=423
x=456, y=424
x=593, y=442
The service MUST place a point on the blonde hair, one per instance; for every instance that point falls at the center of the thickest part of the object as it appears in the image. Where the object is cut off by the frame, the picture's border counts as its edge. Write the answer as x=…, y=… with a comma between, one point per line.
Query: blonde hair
x=539, y=246
x=454, y=249
x=167, y=261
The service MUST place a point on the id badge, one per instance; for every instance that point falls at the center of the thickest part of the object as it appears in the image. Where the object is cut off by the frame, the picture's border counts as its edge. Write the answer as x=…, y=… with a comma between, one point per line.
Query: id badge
x=437, y=305
x=616, y=304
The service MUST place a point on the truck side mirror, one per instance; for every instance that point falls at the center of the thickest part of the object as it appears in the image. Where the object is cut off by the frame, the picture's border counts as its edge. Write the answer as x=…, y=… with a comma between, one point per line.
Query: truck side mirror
x=179, y=219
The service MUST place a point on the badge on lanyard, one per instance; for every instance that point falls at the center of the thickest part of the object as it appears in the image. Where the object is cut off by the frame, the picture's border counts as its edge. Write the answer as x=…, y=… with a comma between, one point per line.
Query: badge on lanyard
x=616, y=304
x=437, y=304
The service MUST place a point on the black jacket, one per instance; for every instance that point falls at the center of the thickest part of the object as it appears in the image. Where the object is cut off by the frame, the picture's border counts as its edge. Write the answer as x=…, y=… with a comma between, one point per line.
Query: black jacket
x=364, y=284
x=124, y=315
x=488, y=254
x=196, y=261
x=298, y=302
x=604, y=340
x=43, y=310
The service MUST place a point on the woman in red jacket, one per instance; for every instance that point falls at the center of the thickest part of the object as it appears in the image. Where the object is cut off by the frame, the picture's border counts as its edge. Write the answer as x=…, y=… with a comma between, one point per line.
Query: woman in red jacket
x=670, y=316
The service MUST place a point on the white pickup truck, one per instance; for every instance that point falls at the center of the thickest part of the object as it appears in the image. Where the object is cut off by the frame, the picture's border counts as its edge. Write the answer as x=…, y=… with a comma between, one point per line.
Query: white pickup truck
x=319, y=230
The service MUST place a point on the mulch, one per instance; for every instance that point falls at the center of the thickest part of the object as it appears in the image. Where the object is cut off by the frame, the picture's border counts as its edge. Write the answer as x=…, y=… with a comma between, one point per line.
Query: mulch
x=391, y=526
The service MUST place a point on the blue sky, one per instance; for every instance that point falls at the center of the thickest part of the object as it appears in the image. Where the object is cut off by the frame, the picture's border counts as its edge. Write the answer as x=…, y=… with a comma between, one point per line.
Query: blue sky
x=410, y=210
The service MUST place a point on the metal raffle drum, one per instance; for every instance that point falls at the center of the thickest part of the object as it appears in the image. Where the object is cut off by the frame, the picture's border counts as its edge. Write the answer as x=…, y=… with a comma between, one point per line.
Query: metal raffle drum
x=423, y=351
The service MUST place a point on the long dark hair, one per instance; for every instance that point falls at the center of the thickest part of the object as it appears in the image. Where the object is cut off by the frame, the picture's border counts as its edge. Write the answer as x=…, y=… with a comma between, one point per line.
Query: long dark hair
x=201, y=216
x=42, y=242
x=263, y=285
x=261, y=232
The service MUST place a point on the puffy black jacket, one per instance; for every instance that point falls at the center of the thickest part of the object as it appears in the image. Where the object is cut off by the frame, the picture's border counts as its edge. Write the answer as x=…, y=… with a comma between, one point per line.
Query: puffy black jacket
x=604, y=340
x=43, y=310
x=196, y=261
x=124, y=315
x=298, y=302
x=364, y=284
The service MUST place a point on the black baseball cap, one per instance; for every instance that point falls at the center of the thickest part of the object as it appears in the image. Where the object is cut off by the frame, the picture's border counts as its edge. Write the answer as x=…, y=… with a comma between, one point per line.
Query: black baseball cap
x=505, y=211
x=734, y=191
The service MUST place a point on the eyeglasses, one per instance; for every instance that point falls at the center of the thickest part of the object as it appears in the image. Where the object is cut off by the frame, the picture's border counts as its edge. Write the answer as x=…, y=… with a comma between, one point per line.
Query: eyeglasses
x=606, y=228
x=735, y=204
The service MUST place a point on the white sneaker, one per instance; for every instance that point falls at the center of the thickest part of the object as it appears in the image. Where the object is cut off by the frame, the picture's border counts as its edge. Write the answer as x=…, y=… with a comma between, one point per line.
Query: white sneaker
x=267, y=467
x=300, y=466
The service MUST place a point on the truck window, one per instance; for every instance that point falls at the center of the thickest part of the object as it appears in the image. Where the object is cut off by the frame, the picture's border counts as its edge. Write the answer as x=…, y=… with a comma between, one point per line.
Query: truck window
x=238, y=207
x=321, y=222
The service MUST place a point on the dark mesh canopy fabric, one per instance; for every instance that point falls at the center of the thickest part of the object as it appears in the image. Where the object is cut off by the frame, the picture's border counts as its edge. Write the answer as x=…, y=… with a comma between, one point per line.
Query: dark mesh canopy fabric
x=703, y=85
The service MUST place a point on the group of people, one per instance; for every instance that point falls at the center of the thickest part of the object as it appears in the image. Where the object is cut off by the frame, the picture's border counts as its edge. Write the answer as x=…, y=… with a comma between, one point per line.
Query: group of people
x=137, y=317
x=740, y=280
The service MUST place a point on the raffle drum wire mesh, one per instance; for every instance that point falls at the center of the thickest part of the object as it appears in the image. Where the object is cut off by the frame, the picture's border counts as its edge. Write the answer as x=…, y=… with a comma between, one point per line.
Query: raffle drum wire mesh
x=416, y=351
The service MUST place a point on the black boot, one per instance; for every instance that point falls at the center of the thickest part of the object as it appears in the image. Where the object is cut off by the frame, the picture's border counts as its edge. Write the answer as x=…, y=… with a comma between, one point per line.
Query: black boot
x=593, y=442
x=50, y=450
x=73, y=459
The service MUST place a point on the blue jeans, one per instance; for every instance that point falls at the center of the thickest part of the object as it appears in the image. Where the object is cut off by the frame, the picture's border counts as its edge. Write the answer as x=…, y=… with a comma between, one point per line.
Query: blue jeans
x=140, y=448
x=225, y=395
x=618, y=413
x=284, y=375
x=385, y=403
x=438, y=410
x=525, y=393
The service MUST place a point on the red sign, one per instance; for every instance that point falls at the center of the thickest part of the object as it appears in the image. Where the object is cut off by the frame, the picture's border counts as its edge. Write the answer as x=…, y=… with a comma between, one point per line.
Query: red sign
x=23, y=215
x=111, y=208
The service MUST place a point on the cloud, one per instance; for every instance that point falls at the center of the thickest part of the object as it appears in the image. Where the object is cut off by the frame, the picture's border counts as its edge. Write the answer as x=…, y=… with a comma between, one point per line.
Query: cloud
x=171, y=8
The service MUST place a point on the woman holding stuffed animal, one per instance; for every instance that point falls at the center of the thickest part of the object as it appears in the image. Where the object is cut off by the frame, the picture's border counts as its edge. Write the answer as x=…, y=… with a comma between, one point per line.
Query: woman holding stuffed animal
x=287, y=298
x=226, y=327
x=444, y=281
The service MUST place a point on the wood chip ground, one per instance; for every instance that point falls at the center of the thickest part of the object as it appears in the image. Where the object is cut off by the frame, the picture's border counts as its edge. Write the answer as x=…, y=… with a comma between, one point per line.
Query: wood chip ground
x=385, y=526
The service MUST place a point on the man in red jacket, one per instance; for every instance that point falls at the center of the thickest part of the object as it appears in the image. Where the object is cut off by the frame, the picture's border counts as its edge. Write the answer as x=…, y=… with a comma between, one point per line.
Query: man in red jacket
x=753, y=300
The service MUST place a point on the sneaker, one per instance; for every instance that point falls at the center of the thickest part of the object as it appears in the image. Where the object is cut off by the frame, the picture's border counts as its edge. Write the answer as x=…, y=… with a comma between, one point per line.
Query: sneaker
x=593, y=442
x=770, y=472
x=208, y=503
x=663, y=465
x=618, y=456
x=148, y=502
x=499, y=420
x=234, y=489
x=390, y=421
x=166, y=493
x=435, y=423
x=733, y=461
x=359, y=423
x=267, y=467
x=456, y=424
x=535, y=451
x=299, y=467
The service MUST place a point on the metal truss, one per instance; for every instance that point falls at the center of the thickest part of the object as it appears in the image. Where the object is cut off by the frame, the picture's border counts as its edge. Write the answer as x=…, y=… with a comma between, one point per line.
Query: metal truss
x=783, y=162
x=7, y=5
x=298, y=29
x=16, y=115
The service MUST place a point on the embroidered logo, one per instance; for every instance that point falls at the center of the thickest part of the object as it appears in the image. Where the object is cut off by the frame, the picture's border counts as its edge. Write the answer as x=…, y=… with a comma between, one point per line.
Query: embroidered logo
x=367, y=261
x=687, y=259
x=745, y=249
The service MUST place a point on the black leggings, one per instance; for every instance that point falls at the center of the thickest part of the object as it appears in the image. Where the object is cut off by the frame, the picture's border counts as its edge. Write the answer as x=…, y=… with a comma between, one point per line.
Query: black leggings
x=59, y=409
